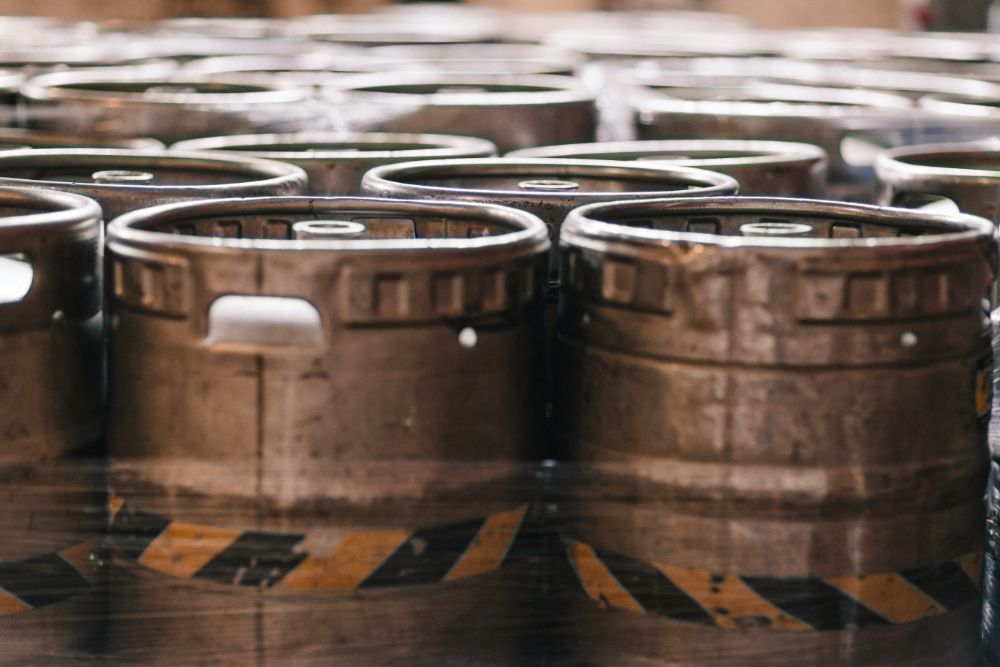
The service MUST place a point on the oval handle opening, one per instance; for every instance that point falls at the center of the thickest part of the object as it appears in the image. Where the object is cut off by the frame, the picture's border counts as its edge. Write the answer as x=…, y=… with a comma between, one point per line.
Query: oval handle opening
x=17, y=275
x=238, y=319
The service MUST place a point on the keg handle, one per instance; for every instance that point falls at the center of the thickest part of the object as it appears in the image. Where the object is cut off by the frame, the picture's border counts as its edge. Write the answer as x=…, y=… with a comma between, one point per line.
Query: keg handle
x=244, y=321
x=17, y=277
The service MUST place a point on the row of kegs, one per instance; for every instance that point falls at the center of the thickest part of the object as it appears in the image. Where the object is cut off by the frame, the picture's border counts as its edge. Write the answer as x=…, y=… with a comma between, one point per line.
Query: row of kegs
x=328, y=382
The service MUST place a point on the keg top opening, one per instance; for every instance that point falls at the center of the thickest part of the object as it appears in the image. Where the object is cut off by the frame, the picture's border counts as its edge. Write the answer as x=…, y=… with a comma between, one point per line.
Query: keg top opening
x=136, y=169
x=462, y=88
x=540, y=178
x=765, y=221
x=338, y=223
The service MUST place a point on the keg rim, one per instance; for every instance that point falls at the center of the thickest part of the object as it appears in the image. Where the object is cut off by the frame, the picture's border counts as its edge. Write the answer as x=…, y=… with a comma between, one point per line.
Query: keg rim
x=895, y=167
x=437, y=145
x=580, y=229
x=771, y=152
x=57, y=87
x=531, y=231
x=267, y=173
x=59, y=141
x=71, y=211
x=547, y=89
x=982, y=106
x=816, y=102
x=384, y=179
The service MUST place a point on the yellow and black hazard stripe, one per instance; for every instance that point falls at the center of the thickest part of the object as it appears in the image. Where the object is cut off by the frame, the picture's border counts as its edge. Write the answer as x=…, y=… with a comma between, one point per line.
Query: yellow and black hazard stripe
x=361, y=560
x=795, y=604
x=41, y=581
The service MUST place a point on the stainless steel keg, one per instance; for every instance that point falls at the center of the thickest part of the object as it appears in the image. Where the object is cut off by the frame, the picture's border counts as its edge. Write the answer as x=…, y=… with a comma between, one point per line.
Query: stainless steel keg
x=336, y=162
x=23, y=138
x=776, y=411
x=548, y=188
x=851, y=126
x=388, y=520
x=511, y=111
x=51, y=413
x=776, y=168
x=123, y=106
x=124, y=180
x=472, y=59
x=966, y=174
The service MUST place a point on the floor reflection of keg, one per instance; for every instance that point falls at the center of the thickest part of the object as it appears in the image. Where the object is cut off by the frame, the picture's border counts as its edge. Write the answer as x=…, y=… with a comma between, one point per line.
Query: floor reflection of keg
x=802, y=483
x=775, y=168
x=336, y=162
x=124, y=180
x=321, y=412
x=50, y=418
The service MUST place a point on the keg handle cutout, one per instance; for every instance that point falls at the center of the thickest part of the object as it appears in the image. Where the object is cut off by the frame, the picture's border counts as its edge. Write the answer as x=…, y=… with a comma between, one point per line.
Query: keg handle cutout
x=858, y=151
x=17, y=275
x=925, y=201
x=263, y=321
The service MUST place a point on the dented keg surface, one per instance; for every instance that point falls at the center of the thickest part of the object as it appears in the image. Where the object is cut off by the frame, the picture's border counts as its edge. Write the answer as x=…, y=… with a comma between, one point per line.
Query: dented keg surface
x=336, y=162
x=125, y=106
x=803, y=485
x=511, y=111
x=51, y=401
x=775, y=168
x=123, y=180
x=967, y=175
x=852, y=126
x=393, y=521
x=548, y=188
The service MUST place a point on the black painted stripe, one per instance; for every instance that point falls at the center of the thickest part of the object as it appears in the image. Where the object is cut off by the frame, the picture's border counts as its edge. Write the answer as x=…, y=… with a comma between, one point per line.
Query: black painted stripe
x=654, y=590
x=42, y=580
x=947, y=583
x=254, y=559
x=426, y=556
x=133, y=530
x=815, y=602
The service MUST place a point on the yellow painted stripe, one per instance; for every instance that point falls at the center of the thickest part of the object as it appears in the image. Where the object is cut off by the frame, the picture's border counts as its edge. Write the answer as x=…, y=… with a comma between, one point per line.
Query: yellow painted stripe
x=345, y=567
x=888, y=595
x=184, y=548
x=597, y=580
x=82, y=557
x=731, y=602
x=115, y=503
x=972, y=564
x=487, y=551
x=10, y=604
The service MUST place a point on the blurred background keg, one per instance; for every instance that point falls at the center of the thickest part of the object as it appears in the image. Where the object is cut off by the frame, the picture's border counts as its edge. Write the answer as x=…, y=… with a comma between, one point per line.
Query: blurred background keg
x=336, y=162
x=965, y=175
x=776, y=168
x=51, y=411
x=511, y=111
x=801, y=483
x=345, y=395
x=125, y=105
x=124, y=180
